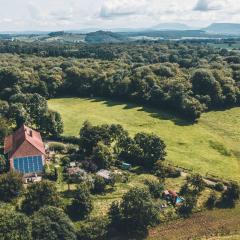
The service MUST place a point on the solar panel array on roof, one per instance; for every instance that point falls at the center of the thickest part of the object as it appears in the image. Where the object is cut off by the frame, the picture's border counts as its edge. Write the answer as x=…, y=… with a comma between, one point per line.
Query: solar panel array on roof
x=31, y=164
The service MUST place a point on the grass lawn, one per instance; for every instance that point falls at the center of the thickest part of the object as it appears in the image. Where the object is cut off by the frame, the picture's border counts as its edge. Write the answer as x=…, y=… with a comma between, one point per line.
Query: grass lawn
x=210, y=147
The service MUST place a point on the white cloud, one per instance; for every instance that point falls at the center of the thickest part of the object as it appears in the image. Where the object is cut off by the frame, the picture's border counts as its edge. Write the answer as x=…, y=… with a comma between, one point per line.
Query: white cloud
x=210, y=5
x=106, y=14
x=120, y=8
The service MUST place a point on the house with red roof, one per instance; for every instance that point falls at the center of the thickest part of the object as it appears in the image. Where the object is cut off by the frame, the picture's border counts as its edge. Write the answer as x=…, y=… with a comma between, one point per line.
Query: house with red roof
x=26, y=151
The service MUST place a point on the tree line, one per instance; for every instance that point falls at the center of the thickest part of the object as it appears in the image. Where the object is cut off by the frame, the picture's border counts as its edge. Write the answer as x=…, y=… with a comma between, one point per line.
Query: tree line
x=187, y=79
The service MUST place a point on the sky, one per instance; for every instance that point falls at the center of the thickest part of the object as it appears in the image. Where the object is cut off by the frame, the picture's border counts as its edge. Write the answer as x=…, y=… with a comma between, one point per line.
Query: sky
x=55, y=15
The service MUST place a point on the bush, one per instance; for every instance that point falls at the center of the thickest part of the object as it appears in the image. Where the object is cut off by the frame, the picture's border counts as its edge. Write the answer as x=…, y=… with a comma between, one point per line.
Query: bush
x=57, y=147
x=94, y=229
x=39, y=195
x=211, y=202
x=11, y=186
x=52, y=223
x=195, y=183
x=172, y=172
x=3, y=164
x=14, y=225
x=71, y=148
x=164, y=171
x=69, y=139
x=219, y=187
x=136, y=212
x=231, y=195
x=81, y=204
x=65, y=161
x=186, y=209
x=99, y=185
x=50, y=172
x=155, y=188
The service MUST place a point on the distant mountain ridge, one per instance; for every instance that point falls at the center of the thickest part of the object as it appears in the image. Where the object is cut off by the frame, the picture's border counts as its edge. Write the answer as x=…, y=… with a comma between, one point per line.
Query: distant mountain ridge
x=172, y=26
x=223, y=28
x=104, y=37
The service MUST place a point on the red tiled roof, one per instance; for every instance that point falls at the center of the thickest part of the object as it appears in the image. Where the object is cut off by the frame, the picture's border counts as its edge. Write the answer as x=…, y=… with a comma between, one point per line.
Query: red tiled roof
x=173, y=193
x=23, y=134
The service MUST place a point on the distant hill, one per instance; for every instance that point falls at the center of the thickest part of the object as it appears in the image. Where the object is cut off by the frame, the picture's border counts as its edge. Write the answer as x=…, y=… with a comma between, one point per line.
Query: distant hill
x=56, y=34
x=171, y=26
x=104, y=37
x=224, y=28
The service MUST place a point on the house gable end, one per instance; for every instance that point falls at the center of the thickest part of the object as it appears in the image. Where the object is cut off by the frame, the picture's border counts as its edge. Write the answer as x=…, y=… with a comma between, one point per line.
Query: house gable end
x=26, y=149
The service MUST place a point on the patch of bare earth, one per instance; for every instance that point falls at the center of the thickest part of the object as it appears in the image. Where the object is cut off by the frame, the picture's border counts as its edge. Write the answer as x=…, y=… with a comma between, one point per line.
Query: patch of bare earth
x=200, y=225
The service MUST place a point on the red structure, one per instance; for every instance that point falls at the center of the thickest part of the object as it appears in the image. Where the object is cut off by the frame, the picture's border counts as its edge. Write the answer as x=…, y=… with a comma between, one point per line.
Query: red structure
x=25, y=150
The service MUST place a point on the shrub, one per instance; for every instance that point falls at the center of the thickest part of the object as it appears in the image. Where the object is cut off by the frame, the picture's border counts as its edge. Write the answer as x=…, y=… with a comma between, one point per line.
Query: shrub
x=71, y=148
x=219, y=187
x=164, y=171
x=68, y=139
x=14, y=225
x=172, y=172
x=52, y=223
x=50, y=172
x=99, y=185
x=81, y=204
x=136, y=212
x=155, y=188
x=39, y=195
x=195, y=183
x=3, y=164
x=102, y=156
x=57, y=147
x=186, y=209
x=231, y=195
x=11, y=186
x=93, y=229
x=211, y=201
x=65, y=161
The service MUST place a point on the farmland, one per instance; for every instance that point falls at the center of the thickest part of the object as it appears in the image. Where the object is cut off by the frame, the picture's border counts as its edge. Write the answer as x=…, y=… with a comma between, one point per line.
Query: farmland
x=210, y=147
x=216, y=222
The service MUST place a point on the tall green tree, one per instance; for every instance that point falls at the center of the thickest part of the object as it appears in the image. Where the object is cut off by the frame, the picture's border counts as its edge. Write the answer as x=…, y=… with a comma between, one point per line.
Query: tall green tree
x=136, y=211
x=102, y=156
x=4, y=129
x=81, y=204
x=14, y=225
x=52, y=223
x=3, y=164
x=51, y=123
x=39, y=195
x=11, y=186
x=231, y=195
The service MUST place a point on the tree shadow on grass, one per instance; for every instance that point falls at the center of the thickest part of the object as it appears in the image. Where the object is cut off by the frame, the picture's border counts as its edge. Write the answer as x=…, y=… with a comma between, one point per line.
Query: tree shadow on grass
x=121, y=234
x=161, y=114
x=68, y=193
x=113, y=103
x=167, y=115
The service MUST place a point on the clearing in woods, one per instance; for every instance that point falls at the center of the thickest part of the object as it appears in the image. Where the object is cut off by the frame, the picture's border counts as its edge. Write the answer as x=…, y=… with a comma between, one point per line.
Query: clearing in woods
x=210, y=147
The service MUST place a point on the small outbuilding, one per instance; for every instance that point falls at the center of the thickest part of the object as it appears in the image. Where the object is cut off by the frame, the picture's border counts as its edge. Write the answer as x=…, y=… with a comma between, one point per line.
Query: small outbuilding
x=76, y=171
x=106, y=174
x=173, y=197
x=126, y=166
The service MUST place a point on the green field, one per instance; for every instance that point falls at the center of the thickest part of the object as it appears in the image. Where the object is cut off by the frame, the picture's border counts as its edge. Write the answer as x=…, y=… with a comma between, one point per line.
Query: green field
x=210, y=147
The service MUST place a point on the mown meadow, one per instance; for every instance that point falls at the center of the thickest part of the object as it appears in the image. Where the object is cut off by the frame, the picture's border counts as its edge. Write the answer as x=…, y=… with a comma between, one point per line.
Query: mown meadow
x=210, y=147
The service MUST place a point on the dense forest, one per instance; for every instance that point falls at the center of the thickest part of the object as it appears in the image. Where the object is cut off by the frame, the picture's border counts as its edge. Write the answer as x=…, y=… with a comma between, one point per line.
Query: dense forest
x=187, y=79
